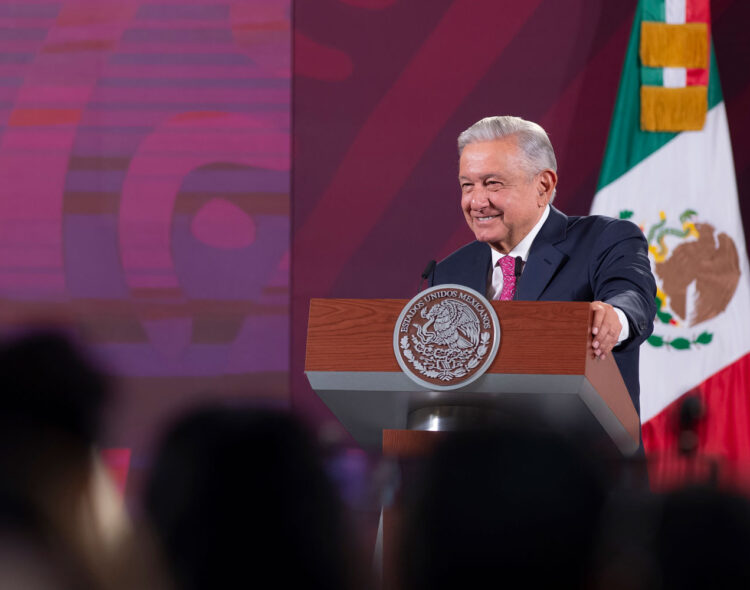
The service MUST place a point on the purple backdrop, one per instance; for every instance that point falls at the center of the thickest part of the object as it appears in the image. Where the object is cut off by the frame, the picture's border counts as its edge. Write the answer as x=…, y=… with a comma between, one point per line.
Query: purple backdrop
x=144, y=160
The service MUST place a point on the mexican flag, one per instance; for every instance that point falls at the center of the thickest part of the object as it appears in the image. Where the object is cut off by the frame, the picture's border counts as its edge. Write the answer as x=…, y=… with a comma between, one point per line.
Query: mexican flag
x=668, y=168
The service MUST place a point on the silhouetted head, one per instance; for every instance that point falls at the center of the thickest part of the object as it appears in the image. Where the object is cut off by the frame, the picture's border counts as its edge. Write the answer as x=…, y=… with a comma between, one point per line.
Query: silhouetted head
x=688, y=539
x=51, y=399
x=48, y=385
x=513, y=509
x=241, y=496
x=703, y=540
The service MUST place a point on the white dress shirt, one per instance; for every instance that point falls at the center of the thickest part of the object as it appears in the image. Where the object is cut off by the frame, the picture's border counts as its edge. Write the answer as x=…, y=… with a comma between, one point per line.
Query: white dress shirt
x=495, y=279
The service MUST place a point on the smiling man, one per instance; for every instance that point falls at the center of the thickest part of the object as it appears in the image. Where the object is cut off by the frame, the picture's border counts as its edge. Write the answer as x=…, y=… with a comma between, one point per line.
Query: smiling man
x=526, y=249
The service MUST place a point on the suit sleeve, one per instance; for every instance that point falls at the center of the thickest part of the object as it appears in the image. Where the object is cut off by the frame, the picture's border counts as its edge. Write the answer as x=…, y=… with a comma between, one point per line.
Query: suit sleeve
x=621, y=276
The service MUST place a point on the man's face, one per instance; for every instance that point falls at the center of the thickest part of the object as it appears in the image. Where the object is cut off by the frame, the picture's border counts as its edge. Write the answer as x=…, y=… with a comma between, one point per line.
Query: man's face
x=501, y=199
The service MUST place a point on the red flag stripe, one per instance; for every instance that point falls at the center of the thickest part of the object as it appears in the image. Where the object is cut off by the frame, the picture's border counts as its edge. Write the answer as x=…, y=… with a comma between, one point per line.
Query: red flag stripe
x=721, y=433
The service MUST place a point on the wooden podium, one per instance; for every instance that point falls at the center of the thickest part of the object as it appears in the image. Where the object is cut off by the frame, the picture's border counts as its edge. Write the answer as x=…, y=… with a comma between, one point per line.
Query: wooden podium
x=543, y=372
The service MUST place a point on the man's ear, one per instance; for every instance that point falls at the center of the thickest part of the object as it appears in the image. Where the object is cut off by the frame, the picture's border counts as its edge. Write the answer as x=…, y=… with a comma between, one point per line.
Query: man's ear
x=546, y=183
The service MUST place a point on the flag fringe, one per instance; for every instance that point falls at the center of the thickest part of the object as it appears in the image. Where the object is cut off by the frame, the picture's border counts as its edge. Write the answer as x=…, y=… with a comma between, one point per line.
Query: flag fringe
x=674, y=46
x=673, y=109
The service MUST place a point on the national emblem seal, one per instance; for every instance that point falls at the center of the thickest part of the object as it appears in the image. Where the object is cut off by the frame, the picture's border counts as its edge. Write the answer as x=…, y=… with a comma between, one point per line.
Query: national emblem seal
x=446, y=337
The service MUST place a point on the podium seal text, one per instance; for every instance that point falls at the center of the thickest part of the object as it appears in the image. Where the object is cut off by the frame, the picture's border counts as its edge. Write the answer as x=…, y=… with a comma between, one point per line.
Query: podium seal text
x=446, y=337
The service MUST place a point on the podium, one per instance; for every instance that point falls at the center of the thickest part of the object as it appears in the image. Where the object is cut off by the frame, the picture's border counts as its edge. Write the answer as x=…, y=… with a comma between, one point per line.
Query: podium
x=543, y=372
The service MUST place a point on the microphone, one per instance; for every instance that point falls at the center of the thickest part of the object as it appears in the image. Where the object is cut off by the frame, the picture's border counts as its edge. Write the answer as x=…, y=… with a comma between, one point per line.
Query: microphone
x=517, y=272
x=692, y=412
x=426, y=273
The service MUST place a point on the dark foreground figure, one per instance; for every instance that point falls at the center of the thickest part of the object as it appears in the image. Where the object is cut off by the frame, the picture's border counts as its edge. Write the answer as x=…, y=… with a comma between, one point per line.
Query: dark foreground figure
x=503, y=509
x=62, y=525
x=688, y=539
x=239, y=498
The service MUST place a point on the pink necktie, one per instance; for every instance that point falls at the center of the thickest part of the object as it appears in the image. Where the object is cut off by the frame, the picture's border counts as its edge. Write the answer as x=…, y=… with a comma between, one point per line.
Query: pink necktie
x=508, y=265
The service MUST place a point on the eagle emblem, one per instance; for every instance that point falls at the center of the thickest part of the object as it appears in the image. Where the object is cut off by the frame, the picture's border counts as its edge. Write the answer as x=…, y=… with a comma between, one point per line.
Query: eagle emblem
x=697, y=268
x=454, y=344
x=453, y=324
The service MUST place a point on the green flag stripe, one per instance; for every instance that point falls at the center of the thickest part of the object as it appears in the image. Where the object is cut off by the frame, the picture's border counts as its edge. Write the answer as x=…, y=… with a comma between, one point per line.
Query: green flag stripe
x=714, y=86
x=652, y=76
x=627, y=145
x=654, y=10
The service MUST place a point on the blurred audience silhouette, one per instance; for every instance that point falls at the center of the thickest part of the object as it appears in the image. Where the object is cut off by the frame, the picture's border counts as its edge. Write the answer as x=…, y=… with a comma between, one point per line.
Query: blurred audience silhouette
x=240, y=497
x=506, y=508
x=62, y=524
x=691, y=538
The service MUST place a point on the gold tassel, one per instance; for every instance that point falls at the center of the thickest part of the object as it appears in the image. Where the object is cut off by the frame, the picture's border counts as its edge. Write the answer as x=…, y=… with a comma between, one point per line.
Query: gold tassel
x=674, y=46
x=673, y=109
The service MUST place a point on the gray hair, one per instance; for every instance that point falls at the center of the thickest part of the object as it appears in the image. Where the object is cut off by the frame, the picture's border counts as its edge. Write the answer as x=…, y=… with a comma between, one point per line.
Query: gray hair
x=532, y=139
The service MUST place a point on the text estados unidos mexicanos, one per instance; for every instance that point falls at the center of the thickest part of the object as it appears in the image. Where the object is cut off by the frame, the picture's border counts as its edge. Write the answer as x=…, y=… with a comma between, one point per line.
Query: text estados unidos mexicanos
x=466, y=297
x=410, y=315
x=481, y=310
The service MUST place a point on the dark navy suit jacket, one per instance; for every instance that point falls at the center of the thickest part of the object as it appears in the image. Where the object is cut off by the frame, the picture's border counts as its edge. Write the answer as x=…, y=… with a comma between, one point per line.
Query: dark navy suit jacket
x=590, y=258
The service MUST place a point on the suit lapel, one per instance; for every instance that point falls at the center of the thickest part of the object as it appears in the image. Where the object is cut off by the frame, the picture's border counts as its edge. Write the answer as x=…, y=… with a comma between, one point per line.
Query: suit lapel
x=544, y=258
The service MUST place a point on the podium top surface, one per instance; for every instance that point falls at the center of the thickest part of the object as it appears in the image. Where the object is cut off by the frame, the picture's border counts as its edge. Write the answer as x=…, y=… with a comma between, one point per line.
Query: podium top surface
x=543, y=338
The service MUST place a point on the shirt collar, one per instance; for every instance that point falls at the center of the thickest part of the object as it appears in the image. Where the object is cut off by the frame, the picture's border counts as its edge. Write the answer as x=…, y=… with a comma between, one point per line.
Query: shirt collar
x=523, y=247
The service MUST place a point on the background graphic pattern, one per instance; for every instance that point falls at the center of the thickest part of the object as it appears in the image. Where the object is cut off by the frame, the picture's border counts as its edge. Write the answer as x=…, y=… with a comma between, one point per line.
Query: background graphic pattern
x=144, y=166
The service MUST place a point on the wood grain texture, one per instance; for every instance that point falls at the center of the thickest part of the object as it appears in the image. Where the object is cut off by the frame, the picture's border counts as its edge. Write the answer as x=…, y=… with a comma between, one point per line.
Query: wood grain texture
x=410, y=443
x=536, y=337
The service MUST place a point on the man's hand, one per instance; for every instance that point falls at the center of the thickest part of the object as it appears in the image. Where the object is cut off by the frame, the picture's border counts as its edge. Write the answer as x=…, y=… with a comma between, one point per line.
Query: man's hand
x=605, y=328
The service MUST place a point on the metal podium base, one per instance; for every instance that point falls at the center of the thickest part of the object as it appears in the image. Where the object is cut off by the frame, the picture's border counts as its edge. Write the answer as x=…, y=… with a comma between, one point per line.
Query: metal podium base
x=451, y=418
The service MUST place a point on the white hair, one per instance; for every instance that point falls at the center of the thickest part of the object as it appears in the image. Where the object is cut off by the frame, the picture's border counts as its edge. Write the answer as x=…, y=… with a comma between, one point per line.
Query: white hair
x=532, y=139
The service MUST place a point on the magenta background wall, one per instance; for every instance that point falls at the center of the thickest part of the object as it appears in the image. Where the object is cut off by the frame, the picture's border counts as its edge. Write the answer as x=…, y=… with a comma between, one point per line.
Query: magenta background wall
x=383, y=87
x=144, y=194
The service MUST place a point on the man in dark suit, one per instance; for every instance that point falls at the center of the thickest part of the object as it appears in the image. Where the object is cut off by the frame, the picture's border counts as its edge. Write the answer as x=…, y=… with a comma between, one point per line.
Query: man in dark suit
x=508, y=175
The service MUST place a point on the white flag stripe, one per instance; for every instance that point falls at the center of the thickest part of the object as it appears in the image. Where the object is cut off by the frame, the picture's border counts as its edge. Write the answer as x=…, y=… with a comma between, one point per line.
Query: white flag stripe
x=675, y=77
x=675, y=12
x=693, y=171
